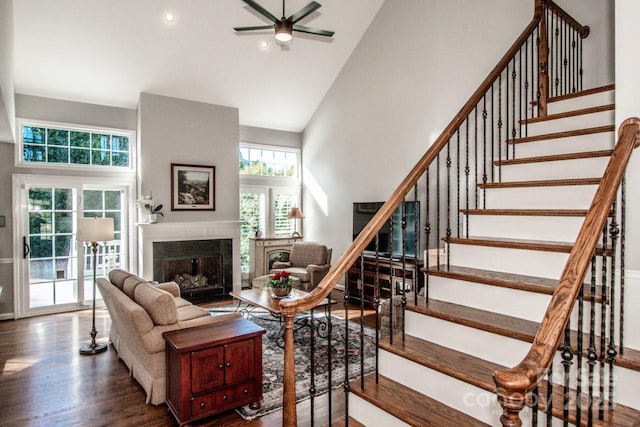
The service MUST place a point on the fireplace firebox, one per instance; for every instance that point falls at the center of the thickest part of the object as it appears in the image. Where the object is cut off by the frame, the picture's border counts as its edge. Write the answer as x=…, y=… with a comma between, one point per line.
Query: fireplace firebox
x=201, y=268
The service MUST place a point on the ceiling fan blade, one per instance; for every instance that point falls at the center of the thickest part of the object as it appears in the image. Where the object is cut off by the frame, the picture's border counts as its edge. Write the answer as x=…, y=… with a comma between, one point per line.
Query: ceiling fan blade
x=261, y=10
x=309, y=30
x=310, y=8
x=258, y=27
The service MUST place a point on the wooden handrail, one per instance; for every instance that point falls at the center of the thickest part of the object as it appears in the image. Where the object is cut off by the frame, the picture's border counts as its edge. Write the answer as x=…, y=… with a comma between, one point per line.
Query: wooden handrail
x=583, y=30
x=514, y=384
x=290, y=307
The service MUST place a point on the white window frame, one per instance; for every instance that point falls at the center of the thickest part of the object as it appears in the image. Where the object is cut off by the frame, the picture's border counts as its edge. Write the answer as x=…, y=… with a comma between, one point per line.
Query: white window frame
x=272, y=185
x=102, y=169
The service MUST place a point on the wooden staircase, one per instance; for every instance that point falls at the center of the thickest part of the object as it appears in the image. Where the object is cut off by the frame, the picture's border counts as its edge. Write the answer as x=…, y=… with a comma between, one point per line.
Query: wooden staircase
x=486, y=301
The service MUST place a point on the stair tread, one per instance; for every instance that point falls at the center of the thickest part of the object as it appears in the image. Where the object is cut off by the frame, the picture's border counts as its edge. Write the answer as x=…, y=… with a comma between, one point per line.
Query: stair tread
x=524, y=244
x=591, y=91
x=526, y=212
x=563, y=134
x=566, y=114
x=508, y=326
x=408, y=405
x=542, y=183
x=554, y=157
x=459, y=365
x=522, y=282
x=340, y=421
x=479, y=372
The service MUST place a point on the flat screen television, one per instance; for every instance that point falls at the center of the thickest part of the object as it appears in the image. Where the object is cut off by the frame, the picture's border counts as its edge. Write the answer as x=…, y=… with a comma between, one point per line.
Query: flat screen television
x=389, y=237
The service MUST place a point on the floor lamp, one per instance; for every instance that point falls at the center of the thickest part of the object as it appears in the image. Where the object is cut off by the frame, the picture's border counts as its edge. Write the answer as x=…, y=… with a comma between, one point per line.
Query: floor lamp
x=93, y=230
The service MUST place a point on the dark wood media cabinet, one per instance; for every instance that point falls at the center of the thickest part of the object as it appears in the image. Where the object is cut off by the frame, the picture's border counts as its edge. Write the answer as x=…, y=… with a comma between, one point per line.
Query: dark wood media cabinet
x=392, y=274
x=213, y=368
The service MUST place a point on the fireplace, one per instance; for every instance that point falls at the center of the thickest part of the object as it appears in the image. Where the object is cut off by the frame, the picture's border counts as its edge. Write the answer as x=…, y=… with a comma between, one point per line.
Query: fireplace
x=202, y=268
x=193, y=251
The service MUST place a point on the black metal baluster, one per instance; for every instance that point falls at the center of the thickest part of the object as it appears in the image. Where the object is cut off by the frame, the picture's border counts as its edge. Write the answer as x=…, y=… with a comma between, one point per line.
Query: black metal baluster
x=592, y=355
x=557, y=58
x=457, y=183
x=538, y=71
x=614, y=232
x=376, y=302
x=467, y=170
x=550, y=395
x=448, y=164
x=565, y=60
x=484, y=151
x=506, y=104
x=475, y=155
x=581, y=69
x=535, y=399
x=573, y=61
x=567, y=357
x=526, y=89
x=603, y=321
x=390, y=249
x=427, y=231
x=416, y=237
x=514, y=133
x=623, y=210
x=500, y=127
x=403, y=295
x=312, y=368
x=493, y=137
x=579, y=356
x=438, y=205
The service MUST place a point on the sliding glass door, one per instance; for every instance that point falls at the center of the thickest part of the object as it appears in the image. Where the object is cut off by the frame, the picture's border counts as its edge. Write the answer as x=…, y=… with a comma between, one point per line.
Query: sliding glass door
x=52, y=261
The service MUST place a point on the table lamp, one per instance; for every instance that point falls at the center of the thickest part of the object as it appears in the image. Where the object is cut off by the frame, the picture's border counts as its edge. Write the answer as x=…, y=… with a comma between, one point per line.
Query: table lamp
x=92, y=230
x=295, y=213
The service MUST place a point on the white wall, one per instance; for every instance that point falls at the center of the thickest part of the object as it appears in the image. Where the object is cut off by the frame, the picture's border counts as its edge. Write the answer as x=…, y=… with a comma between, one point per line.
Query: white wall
x=266, y=136
x=7, y=101
x=175, y=130
x=416, y=65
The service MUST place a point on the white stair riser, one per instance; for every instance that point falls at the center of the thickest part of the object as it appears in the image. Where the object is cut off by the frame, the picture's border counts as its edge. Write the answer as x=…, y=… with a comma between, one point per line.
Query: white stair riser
x=558, y=197
x=583, y=121
x=525, y=227
x=561, y=169
x=464, y=397
x=572, y=144
x=510, y=302
x=518, y=261
x=593, y=100
x=370, y=415
x=485, y=345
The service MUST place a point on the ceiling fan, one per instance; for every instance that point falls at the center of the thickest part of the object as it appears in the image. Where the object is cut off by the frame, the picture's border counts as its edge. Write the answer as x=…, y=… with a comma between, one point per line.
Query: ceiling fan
x=285, y=26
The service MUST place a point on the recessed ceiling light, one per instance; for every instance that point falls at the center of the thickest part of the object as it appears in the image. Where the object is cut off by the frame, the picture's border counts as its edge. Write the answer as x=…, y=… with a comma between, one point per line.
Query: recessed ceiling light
x=263, y=44
x=169, y=17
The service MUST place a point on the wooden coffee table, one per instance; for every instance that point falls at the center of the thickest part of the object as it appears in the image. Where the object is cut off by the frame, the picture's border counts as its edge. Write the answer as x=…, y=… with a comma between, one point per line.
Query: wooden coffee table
x=262, y=298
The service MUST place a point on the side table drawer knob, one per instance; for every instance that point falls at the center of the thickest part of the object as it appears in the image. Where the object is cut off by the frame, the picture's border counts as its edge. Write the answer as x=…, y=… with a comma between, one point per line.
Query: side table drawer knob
x=224, y=397
x=228, y=364
x=246, y=391
x=202, y=404
x=221, y=366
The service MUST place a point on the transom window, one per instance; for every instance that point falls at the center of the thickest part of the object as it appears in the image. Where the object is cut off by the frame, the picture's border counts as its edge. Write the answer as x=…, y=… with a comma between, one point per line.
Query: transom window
x=54, y=145
x=268, y=162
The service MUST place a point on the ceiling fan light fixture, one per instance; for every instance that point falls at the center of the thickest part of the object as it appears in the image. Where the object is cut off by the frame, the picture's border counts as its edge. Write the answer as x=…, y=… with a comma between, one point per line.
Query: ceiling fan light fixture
x=284, y=31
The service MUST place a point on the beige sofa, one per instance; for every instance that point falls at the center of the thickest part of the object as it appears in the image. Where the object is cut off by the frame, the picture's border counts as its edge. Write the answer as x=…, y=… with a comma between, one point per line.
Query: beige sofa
x=140, y=312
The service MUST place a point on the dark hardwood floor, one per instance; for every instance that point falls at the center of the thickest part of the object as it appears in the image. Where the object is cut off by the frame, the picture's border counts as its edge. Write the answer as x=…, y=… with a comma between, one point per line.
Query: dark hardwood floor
x=44, y=381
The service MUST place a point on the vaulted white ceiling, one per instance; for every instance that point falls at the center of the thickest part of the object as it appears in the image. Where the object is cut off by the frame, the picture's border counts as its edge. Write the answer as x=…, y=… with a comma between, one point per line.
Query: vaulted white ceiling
x=109, y=51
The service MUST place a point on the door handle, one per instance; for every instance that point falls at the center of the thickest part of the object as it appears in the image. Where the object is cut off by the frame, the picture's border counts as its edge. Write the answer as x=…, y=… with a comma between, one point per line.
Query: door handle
x=25, y=247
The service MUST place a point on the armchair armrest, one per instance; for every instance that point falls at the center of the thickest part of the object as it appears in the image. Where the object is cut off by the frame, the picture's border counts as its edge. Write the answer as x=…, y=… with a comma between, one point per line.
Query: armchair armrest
x=317, y=272
x=281, y=265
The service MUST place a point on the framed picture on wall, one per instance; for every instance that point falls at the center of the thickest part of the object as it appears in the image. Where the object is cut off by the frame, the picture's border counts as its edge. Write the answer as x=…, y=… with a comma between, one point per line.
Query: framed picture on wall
x=193, y=187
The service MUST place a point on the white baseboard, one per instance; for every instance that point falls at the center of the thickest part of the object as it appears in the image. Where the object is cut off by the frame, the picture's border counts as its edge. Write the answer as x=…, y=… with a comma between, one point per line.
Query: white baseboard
x=6, y=316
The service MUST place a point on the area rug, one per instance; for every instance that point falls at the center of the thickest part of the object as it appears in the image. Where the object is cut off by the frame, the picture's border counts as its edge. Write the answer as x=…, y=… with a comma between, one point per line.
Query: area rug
x=273, y=361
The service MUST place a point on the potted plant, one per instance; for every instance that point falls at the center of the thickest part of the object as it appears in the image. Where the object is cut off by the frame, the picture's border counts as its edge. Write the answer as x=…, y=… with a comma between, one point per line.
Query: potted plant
x=146, y=202
x=281, y=284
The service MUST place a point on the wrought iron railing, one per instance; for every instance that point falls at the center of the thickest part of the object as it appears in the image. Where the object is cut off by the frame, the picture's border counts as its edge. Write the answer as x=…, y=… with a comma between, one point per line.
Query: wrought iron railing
x=452, y=176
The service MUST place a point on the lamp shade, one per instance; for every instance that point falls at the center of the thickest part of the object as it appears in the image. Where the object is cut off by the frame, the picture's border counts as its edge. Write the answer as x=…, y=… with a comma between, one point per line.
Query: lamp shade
x=295, y=213
x=95, y=229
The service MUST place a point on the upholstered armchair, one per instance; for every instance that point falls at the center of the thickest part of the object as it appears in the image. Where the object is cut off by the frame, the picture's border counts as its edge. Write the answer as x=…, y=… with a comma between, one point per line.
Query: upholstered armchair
x=308, y=261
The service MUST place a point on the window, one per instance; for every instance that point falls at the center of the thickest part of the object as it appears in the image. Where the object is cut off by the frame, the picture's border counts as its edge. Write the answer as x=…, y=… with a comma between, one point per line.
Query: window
x=268, y=162
x=59, y=145
x=269, y=188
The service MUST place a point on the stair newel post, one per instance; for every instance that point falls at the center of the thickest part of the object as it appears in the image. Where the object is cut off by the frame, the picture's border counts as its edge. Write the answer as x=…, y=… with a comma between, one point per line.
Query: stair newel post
x=543, y=59
x=289, y=414
x=512, y=403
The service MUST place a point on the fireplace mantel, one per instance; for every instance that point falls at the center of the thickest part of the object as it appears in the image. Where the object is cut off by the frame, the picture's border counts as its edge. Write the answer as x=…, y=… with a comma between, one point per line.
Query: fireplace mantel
x=176, y=231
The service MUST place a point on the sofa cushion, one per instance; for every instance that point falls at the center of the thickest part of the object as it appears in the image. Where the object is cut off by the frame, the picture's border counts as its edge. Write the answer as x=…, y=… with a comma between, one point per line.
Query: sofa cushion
x=188, y=312
x=130, y=284
x=158, y=303
x=118, y=276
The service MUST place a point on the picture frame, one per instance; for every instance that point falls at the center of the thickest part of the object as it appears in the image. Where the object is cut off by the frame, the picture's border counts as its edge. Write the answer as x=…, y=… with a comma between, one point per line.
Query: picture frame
x=193, y=187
